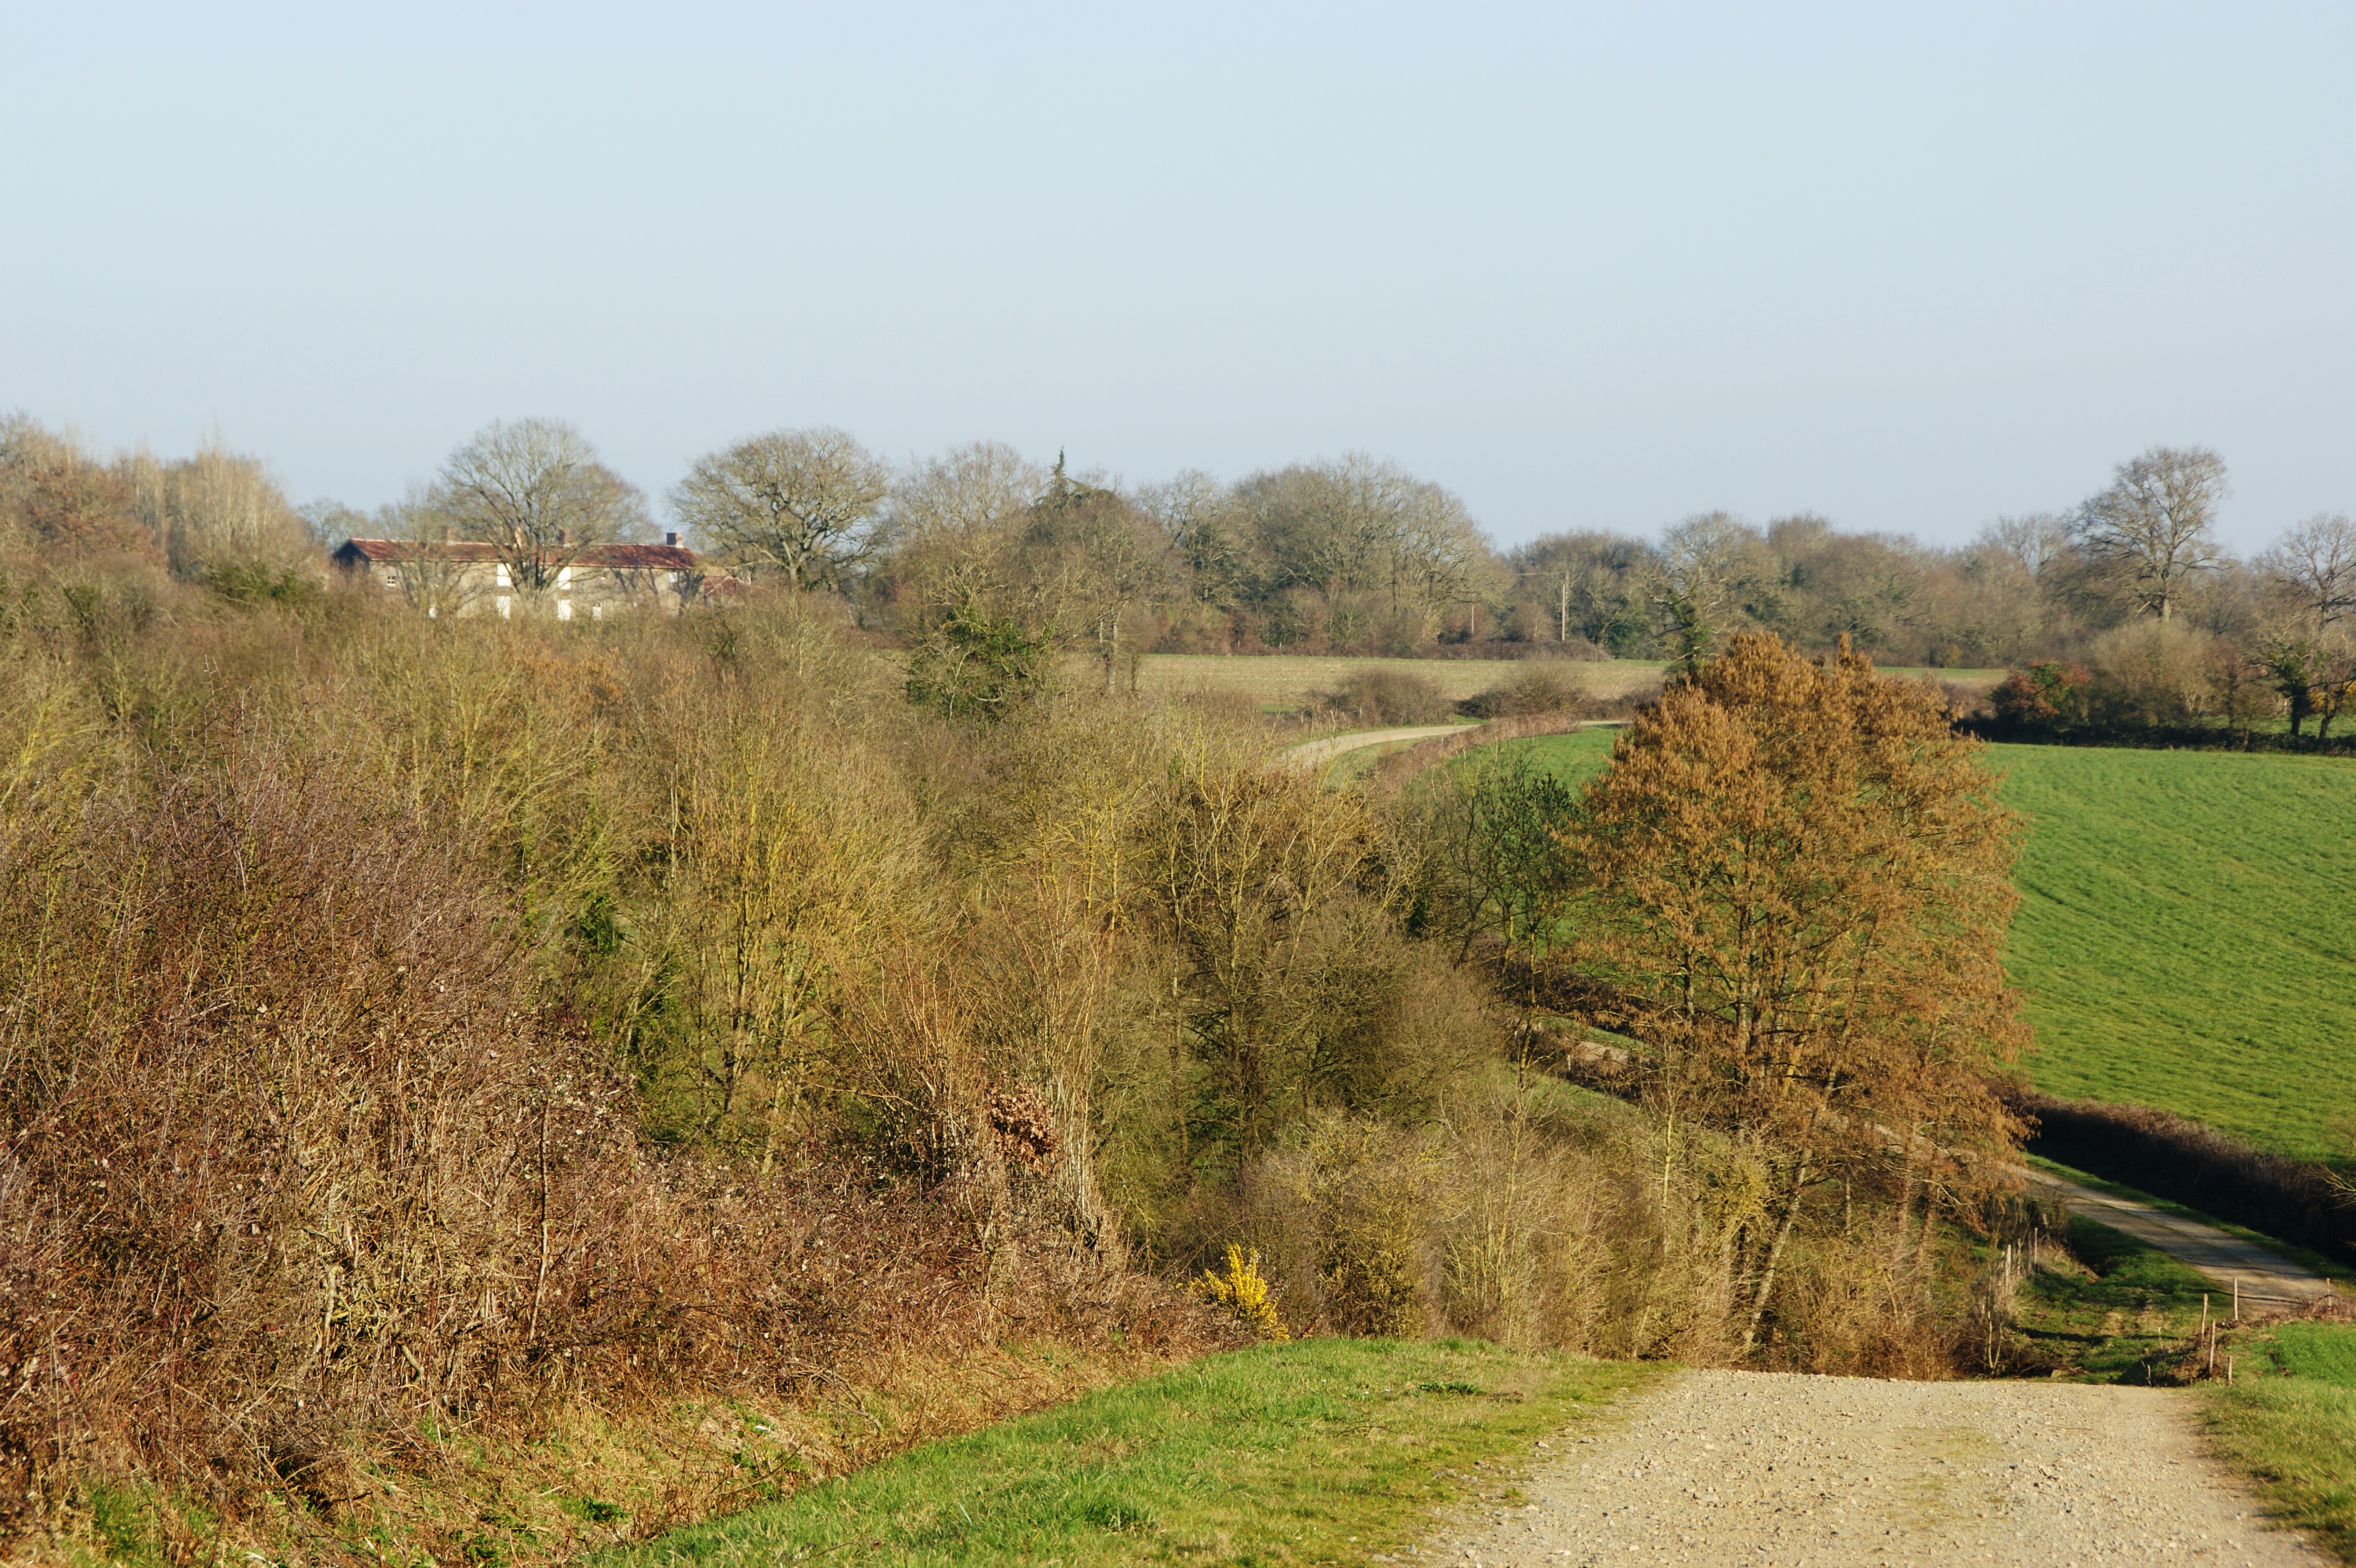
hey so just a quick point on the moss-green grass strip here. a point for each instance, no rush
(1327, 1451)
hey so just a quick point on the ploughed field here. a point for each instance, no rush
(1289, 681)
(2186, 931)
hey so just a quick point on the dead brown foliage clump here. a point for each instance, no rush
(1530, 1219)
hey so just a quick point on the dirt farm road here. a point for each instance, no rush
(1764, 1467)
(1317, 753)
(2265, 1277)
(1720, 1469)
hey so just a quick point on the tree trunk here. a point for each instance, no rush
(1766, 1289)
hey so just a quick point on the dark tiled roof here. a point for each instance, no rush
(638, 557)
(612, 557)
(381, 550)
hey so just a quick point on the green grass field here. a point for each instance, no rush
(2325, 1352)
(2186, 934)
(1328, 1451)
(1576, 758)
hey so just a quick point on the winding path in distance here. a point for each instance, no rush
(2265, 1277)
(1317, 753)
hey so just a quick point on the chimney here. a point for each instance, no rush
(563, 537)
(671, 539)
(448, 533)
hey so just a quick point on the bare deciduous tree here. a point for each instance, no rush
(55, 496)
(217, 511)
(2315, 563)
(535, 492)
(432, 577)
(328, 522)
(1702, 564)
(1198, 514)
(796, 501)
(951, 526)
(969, 490)
(2156, 522)
(2032, 543)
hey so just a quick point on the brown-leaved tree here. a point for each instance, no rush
(1799, 879)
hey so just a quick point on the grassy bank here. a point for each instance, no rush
(2289, 1420)
(582, 1478)
(1327, 1451)
(2110, 1312)
(2185, 939)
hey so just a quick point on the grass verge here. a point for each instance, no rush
(1326, 1451)
(2289, 1419)
(2124, 1306)
(586, 1479)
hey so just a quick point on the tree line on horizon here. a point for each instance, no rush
(2124, 609)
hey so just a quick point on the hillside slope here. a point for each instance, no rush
(2186, 934)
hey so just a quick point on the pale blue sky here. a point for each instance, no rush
(1910, 266)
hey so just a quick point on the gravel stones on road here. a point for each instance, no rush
(1763, 1468)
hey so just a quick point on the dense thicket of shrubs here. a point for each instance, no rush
(2155, 683)
(415, 1022)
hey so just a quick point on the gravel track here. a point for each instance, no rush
(1775, 1468)
(1317, 753)
(2265, 1277)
